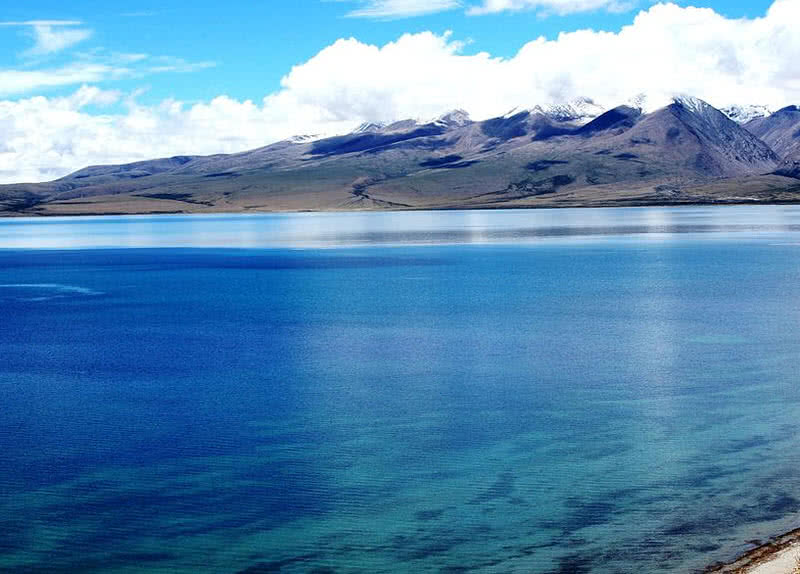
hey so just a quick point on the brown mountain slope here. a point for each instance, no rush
(525, 158)
(781, 131)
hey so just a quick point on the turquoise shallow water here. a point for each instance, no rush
(530, 391)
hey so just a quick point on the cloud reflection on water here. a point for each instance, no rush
(327, 230)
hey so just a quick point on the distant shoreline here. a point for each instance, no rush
(12, 214)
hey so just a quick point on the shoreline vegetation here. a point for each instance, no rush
(96, 208)
(781, 555)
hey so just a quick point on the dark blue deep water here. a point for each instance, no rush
(532, 391)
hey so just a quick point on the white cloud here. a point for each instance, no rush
(94, 67)
(390, 9)
(51, 36)
(21, 81)
(560, 7)
(665, 50)
(45, 138)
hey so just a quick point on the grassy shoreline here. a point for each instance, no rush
(220, 210)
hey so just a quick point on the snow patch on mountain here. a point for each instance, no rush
(580, 110)
(306, 138)
(369, 128)
(721, 134)
(742, 114)
(452, 119)
(693, 104)
(638, 102)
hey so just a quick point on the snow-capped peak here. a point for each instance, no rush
(742, 114)
(402, 125)
(638, 102)
(306, 138)
(369, 127)
(452, 119)
(692, 103)
(578, 110)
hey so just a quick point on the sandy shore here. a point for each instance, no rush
(786, 561)
(780, 556)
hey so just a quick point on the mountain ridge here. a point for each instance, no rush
(572, 154)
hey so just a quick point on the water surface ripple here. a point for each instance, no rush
(560, 391)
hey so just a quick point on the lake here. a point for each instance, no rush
(548, 391)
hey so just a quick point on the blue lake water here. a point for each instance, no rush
(555, 391)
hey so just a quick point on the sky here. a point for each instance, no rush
(92, 82)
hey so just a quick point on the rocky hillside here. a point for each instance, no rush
(781, 131)
(573, 154)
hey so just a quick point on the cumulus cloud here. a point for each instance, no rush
(560, 7)
(390, 9)
(51, 36)
(44, 138)
(667, 49)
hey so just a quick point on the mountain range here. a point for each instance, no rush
(573, 154)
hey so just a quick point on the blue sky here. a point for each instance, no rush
(252, 44)
(91, 82)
